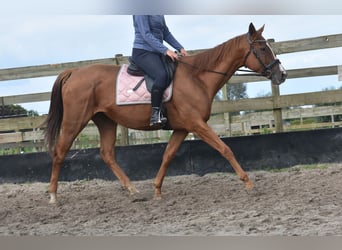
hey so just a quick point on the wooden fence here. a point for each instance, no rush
(23, 131)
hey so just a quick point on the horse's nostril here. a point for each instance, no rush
(284, 75)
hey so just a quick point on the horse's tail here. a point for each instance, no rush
(55, 116)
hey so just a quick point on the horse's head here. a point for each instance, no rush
(261, 58)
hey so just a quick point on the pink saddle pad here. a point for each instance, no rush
(125, 95)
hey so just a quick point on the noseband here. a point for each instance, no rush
(267, 69)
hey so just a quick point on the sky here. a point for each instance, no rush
(47, 38)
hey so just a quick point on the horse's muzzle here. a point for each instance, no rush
(279, 75)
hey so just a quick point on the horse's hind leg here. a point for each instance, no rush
(65, 140)
(107, 129)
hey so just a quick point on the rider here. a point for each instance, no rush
(150, 32)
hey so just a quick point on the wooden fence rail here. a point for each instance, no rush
(322, 42)
(295, 73)
(276, 102)
(18, 132)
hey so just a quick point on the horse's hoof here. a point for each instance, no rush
(53, 198)
(132, 190)
(157, 197)
(249, 185)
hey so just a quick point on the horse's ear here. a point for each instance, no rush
(253, 32)
(261, 30)
(252, 29)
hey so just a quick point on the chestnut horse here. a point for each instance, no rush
(88, 93)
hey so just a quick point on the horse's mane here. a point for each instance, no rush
(210, 58)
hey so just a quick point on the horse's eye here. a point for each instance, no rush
(263, 49)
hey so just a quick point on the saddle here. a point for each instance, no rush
(134, 70)
(170, 68)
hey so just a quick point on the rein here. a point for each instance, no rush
(266, 68)
(208, 70)
(224, 73)
(247, 70)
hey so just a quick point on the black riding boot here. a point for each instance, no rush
(155, 117)
(156, 99)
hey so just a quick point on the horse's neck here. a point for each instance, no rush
(228, 66)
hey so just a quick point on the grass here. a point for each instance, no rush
(321, 166)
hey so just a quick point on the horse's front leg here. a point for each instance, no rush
(107, 129)
(175, 141)
(208, 135)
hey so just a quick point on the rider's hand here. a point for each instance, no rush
(183, 52)
(172, 55)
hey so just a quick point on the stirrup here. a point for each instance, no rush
(155, 117)
(155, 122)
(160, 121)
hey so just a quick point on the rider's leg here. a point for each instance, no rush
(152, 64)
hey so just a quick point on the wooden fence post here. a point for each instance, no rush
(227, 115)
(124, 139)
(278, 117)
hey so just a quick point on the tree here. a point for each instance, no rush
(15, 111)
(236, 91)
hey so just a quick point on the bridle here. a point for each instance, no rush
(267, 69)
